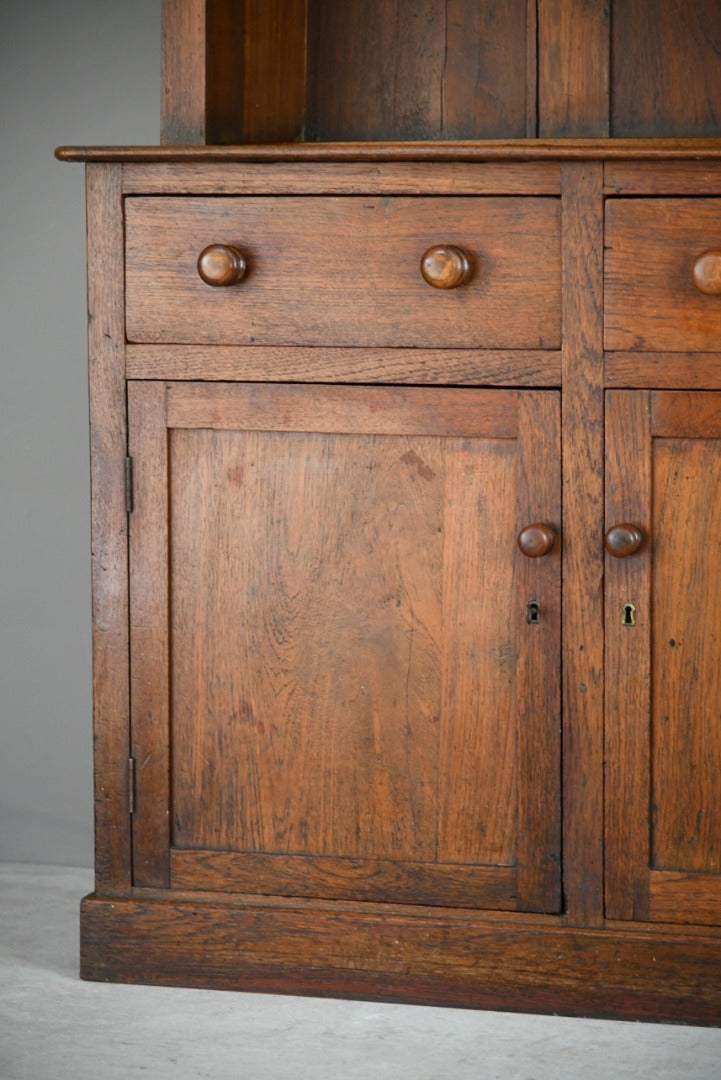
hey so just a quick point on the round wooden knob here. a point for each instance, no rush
(221, 264)
(707, 273)
(536, 540)
(445, 266)
(623, 540)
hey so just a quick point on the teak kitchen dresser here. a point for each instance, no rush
(406, 459)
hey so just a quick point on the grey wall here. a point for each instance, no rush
(71, 71)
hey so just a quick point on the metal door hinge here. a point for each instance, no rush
(129, 484)
(131, 785)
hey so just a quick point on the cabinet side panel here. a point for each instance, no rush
(108, 447)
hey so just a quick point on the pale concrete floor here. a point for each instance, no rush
(55, 1027)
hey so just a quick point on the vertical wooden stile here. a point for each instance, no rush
(108, 443)
(538, 704)
(149, 637)
(183, 87)
(582, 440)
(628, 658)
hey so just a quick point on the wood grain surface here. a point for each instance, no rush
(443, 958)
(628, 657)
(338, 688)
(651, 301)
(582, 634)
(109, 529)
(469, 367)
(665, 68)
(344, 271)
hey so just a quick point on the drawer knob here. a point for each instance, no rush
(623, 540)
(221, 264)
(536, 540)
(445, 266)
(707, 273)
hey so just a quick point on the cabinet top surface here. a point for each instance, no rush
(479, 151)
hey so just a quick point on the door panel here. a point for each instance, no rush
(346, 700)
(663, 679)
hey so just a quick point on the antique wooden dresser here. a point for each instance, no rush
(406, 455)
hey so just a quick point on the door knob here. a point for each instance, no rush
(445, 266)
(221, 264)
(707, 273)
(536, 540)
(623, 540)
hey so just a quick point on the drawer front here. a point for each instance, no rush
(345, 271)
(654, 250)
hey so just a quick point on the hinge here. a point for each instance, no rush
(129, 484)
(131, 785)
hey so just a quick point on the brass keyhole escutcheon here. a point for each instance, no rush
(629, 615)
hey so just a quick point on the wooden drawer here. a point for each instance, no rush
(345, 271)
(652, 302)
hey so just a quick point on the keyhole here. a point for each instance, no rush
(533, 612)
(629, 615)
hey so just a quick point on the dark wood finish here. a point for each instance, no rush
(232, 71)
(322, 500)
(693, 371)
(675, 178)
(623, 540)
(706, 273)
(536, 540)
(256, 70)
(666, 73)
(573, 68)
(445, 267)
(545, 149)
(582, 440)
(664, 749)
(651, 300)
(405, 177)
(221, 265)
(109, 566)
(470, 367)
(335, 877)
(344, 271)
(432, 958)
(442, 69)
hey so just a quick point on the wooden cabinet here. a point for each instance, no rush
(388, 703)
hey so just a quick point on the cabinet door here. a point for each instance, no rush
(335, 689)
(663, 685)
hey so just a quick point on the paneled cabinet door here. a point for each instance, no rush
(663, 635)
(345, 672)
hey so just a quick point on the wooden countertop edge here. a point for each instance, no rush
(475, 151)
